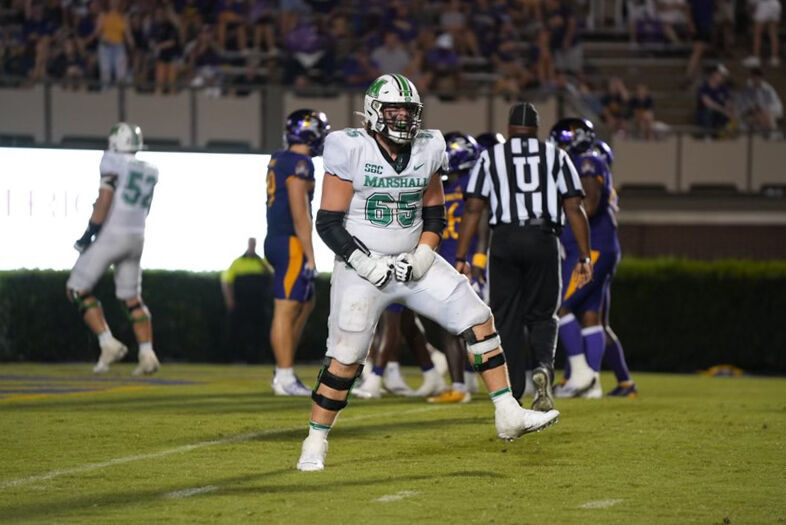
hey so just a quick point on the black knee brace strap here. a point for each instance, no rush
(81, 301)
(329, 379)
(493, 362)
(131, 309)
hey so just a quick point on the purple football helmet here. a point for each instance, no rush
(604, 150)
(463, 151)
(576, 135)
(489, 139)
(306, 126)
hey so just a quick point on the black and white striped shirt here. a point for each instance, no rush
(524, 178)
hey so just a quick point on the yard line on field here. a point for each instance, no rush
(187, 493)
(248, 436)
(387, 498)
(601, 504)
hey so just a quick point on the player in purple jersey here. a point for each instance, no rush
(288, 246)
(581, 329)
(463, 151)
(614, 356)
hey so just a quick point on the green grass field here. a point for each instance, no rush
(212, 444)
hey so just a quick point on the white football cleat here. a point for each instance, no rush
(575, 387)
(111, 352)
(433, 384)
(439, 359)
(370, 389)
(513, 421)
(395, 384)
(148, 363)
(293, 388)
(596, 390)
(312, 455)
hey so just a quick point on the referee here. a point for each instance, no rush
(531, 186)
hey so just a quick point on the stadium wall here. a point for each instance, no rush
(671, 315)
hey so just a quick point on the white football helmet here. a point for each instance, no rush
(125, 138)
(393, 90)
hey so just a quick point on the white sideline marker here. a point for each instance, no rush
(184, 448)
(397, 496)
(601, 504)
(187, 493)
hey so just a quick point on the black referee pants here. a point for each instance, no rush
(525, 289)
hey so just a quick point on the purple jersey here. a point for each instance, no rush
(603, 224)
(284, 164)
(454, 207)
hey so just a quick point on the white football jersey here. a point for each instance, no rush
(386, 209)
(134, 185)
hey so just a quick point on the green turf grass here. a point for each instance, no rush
(690, 450)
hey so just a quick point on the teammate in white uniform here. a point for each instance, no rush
(382, 213)
(115, 236)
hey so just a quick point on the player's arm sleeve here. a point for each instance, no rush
(336, 156)
(109, 168)
(568, 182)
(479, 184)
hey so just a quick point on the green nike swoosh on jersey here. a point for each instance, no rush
(419, 166)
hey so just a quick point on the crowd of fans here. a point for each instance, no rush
(444, 46)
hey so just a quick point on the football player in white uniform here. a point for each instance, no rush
(115, 236)
(382, 213)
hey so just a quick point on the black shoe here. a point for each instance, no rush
(544, 399)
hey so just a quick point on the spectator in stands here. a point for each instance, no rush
(310, 55)
(760, 105)
(113, 31)
(166, 44)
(341, 37)
(615, 104)
(702, 15)
(20, 59)
(453, 20)
(191, 17)
(391, 56)
(642, 107)
(442, 63)
(358, 70)
(714, 109)
(642, 20)
(204, 61)
(261, 16)
(766, 15)
(68, 65)
(560, 22)
(513, 75)
(140, 51)
(86, 37)
(403, 22)
(674, 16)
(291, 12)
(37, 31)
(725, 21)
(232, 17)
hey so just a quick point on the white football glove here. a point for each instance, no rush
(376, 270)
(414, 265)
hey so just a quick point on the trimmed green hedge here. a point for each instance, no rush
(671, 315)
